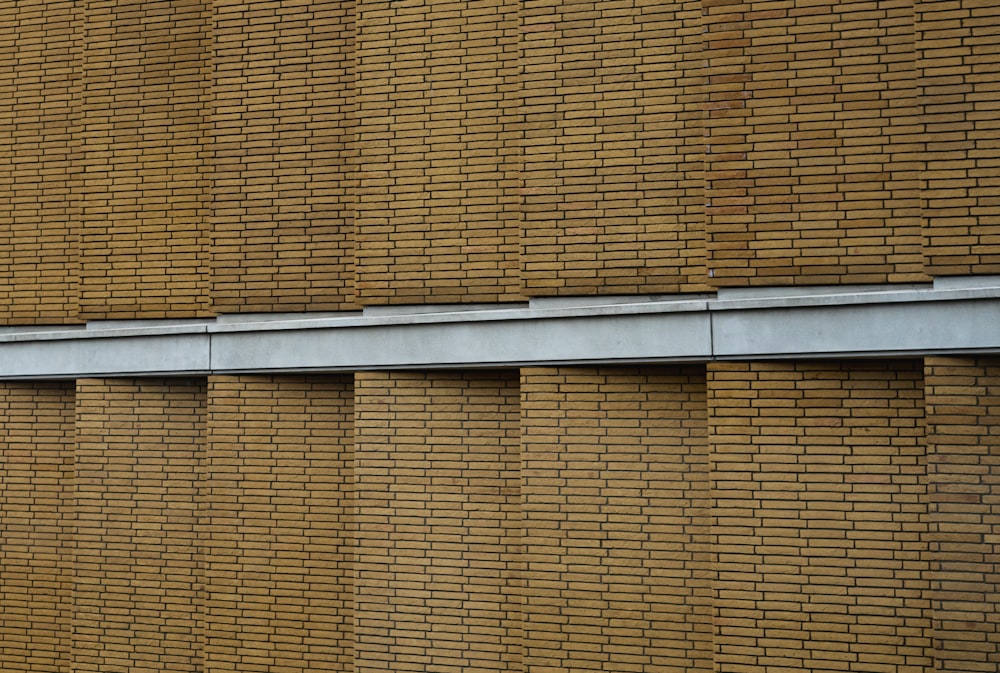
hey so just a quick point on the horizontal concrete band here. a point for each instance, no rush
(844, 322)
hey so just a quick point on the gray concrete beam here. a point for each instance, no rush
(886, 321)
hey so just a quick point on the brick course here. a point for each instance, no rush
(280, 514)
(613, 99)
(814, 130)
(959, 69)
(436, 208)
(40, 59)
(281, 130)
(143, 233)
(438, 481)
(616, 527)
(819, 513)
(963, 462)
(36, 526)
(138, 554)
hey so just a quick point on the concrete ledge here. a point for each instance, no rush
(887, 321)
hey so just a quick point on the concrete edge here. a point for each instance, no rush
(894, 322)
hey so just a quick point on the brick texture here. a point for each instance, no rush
(143, 239)
(959, 68)
(616, 520)
(139, 563)
(802, 516)
(437, 478)
(437, 216)
(819, 511)
(282, 211)
(613, 100)
(279, 485)
(36, 526)
(815, 143)
(963, 438)
(180, 158)
(39, 144)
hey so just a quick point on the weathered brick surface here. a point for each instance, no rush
(819, 514)
(436, 208)
(963, 441)
(143, 239)
(36, 526)
(283, 98)
(790, 516)
(279, 506)
(138, 559)
(438, 479)
(815, 145)
(959, 68)
(616, 520)
(39, 141)
(174, 158)
(613, 100)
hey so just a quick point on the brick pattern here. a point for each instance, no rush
(143, 244)
(963, 438)
(282, 211)
(279, 484)
(616, 527)
(790, 516)
(815, 143)
(175, 158)
(139, 566)
(959, 68)
(438, 480)
(613, 101)
(819, 511)
(436, 208)
(36, 527)
(39, 114)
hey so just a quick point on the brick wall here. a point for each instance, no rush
(819, 515)
(963, 436)
(138, 553)
(788, 515)
(177, 160)
(143, 238)
(438, 480)
(815, 143)
(282, 212)
(616, 520)
(39, 144)
(437, 216)
(280, 508)
(36, 526)
(959, 68)
(613, 100)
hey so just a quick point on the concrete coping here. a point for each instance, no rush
(540, 309)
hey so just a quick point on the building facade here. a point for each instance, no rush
(503, 335)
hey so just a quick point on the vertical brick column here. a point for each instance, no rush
(437, 470)
(437, 105)
(963, 437)
(814, 143)
(819, 510)
(616, 520)
(143, 245)
(139, 566)
(613, 101)
(283, 100)
(279, 505)
(36, 526)
(39, 116)
(959, 68)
